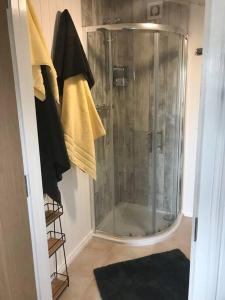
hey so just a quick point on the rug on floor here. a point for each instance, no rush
(163, 276)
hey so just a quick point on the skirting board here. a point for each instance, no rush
(71, 256)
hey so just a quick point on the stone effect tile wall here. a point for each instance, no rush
(98, 12)
(124, 157)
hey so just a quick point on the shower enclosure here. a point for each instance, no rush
(139, 93)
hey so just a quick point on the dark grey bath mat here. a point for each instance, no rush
(163, 276)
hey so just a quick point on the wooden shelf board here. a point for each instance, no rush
(51, 216)
(53, 245)
(58, 286)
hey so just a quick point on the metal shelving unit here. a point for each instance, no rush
(56, 241)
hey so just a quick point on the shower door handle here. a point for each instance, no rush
(159, 142)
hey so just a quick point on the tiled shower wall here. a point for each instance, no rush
(98, 12)
(123, 156)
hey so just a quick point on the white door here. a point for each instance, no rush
(208, 252)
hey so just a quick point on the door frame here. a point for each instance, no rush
(208, 255)
(18, 30)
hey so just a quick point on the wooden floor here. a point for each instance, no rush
(100, 252)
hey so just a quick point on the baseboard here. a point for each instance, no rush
(71, 256)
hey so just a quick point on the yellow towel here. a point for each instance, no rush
(40, 56)
(81, 123)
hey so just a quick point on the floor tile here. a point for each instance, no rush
(91, 292)
(100, 244)
(78, 285)
(101, 252)
(87, 260)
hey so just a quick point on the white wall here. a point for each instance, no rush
(75, 185)
(47, 10)
(195, 40)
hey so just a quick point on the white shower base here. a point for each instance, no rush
(132, 220)
(135, 219)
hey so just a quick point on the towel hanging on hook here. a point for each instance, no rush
(81, 122)
(40, 57)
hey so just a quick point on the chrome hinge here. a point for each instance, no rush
(196, 230)
(26, 186)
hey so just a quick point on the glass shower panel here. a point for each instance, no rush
(138, 94)
(98, 54)
(133, 90)
(167, 129)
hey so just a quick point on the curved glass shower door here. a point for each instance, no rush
(138, 95)
(133, 99)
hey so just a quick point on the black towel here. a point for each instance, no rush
(69, 56)
(53, 153)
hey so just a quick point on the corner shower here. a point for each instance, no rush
(139, 93)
